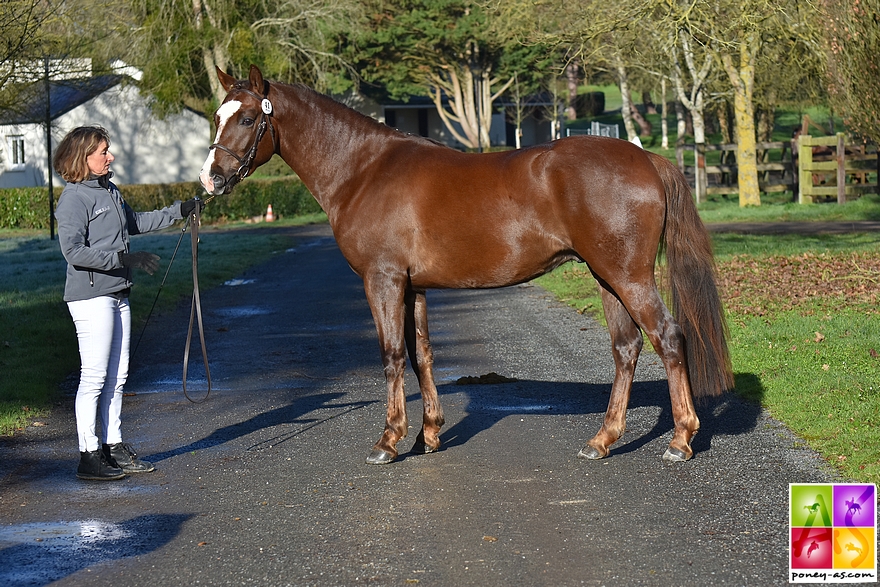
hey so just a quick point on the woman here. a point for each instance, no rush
(94, 228)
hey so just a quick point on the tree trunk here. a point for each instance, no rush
(571, 74)
(681, 133)
(724, 122)
(487, 98)
(470, 101)
(664, 124)
(460, 122)
(626, 106)
(212, 57)
(644, 126)
(680, 123)
(650, 107)
(694, 104)
(742, 78)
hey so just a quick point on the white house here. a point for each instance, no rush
(147, 150)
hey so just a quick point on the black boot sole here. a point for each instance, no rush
(135, 471)
(87, 477)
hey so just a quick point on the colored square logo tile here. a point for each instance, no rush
(855, 505)
(833, 533)
(811, 505)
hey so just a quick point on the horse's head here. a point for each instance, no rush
(241, 144)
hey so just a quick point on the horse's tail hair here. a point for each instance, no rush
(690, 281)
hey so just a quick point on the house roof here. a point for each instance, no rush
(64, 96)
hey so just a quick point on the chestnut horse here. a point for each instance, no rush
(410, 214)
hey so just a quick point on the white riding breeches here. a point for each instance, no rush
(103, 330)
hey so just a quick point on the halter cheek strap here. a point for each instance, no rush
(246, 161)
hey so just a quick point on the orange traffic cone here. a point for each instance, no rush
(270, 216)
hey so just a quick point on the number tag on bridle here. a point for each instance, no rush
(266, 105)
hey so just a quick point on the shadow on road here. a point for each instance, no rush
(487, 405)
(289, 414)
(45, 552)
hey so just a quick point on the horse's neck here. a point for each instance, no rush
(326, 143)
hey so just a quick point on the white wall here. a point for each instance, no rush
(147, 150)
(34, 172)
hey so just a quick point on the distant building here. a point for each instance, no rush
(147, 150)
(418, 116)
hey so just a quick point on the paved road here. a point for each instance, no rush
(796, 227)
(265, 482)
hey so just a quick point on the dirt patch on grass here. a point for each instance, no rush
(808, 282)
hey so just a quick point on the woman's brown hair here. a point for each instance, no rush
(71, 155)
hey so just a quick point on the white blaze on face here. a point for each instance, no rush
(225, 112)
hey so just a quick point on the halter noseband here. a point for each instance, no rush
(245, 162)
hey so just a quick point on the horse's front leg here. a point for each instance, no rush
(421, 357)
(385, 295)
(626, 344)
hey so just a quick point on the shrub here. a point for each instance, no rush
(25, 207)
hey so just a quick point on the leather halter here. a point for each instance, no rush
(266, 110)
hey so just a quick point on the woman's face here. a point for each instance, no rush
(100, 159)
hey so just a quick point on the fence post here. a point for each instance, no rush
(700, 179)
(805, 161)
(841, 168)
(795, 176)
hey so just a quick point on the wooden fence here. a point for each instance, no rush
(823, 159)
(802, 163)
(721, 179)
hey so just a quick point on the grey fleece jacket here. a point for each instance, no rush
(94, 226)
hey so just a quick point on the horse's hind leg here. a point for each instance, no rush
(648, 310)
(421, 358)
(626, 344)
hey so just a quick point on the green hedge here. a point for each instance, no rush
(25, 207)
(29, 207)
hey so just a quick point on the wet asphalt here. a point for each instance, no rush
(265, 483)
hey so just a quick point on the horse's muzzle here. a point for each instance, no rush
(217, 185)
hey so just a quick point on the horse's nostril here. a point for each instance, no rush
(219, 181)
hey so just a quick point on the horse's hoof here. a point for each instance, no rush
(380, 457)
(420, 448)
(673, 455)
(588, 452)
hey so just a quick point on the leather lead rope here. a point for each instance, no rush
(196, 309)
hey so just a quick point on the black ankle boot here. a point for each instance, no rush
(124, 457)
(93, 466)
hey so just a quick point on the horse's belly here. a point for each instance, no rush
(483, 265)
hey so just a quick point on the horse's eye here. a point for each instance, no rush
(247, 121)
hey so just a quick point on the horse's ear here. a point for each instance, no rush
(226, 80)
(256, 79)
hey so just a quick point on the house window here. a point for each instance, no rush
(15, 143)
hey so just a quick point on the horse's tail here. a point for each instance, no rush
(690, 277)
